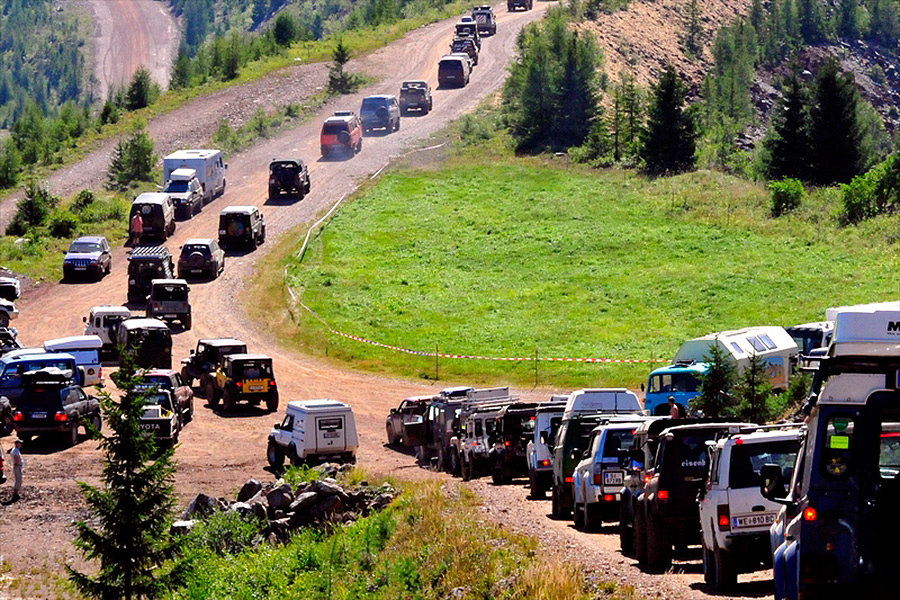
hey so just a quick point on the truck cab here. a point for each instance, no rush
(839, 515)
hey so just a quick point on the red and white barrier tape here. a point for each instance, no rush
(363, 340)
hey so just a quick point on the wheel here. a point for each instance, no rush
(441, 458)
(454, 462)
(4, 319)
(397, 125)
(497, 472)
(228, 400)
(7, 425)
(96, 422)
(576, 515)
(537, 492)
(72, 435)
(640, 535)
(272, 402)
(186, 377)
(590, 517)
(211, 395)
(466, 469)
(186, 322)
(190, 413)
(254, 242)
(274, 454)
(659, 544)
(272, 193)
(709, 566)
(173, 441)
(725, 571)
(626, 534)
(554, 503)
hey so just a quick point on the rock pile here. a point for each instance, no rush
(282, 509)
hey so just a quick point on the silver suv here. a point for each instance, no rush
(380, 112)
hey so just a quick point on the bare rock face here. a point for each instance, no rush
(280, 497)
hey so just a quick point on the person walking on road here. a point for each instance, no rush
(18, 465)
(137, 228)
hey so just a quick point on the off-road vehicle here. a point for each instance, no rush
(241, 226)
(512, 5)
(410, 409)
(204, 360)
(53, 403)
(341, 133)
(160, 418)
(467, 26)
(150, 341)
(246, 377)
(186, 192)
(415, 95)
(87, 256)
(18, 362)
(8, 312)
(540, 457)
(431, 435)
(169, 301)
(666, 512)
(508, 456)
(290, 176)
(313, 431)
(157, 210)
(103, 321)
(467, 46)
(485, 19)
(169, 380)
(10, 288)
(201, 257)
(380, 112)
(146, 263)
(734, 516)
(454, 70)
(470, 448)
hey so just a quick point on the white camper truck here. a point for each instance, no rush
(208, 165)
(86, 350)
(314, 431)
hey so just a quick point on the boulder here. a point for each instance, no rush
(249, 490)
(260, 511)
(303, 502)
(323, 487)
(242, 508)
(202, 505)
(381, 501)
(327, 469)
(181, 527)
(330, 506)
(280, 497)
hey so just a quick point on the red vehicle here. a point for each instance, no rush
(168, 379)
(342, 132)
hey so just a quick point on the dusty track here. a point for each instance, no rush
(219, 452)
(131, 33)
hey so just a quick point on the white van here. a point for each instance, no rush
(208, 165)
(314, 431)
(86, 350)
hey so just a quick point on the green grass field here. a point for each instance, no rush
(518, 256)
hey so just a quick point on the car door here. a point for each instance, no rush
(285, 432)
(330, 434)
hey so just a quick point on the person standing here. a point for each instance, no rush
(18, 464)
(137, 228)
(673, 408)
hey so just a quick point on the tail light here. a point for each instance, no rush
(809, 514)
(723, 517)
(474, 444)
(545, 462)
(608, 497)
(662, 495)
(506, 443)
(647, 478)
(568, 480)
(237, 383)
(598, 475)
(18, 416)
(271, 383)
(100, 371)
(61, 417)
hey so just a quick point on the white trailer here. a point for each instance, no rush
(314, 431)
(208, 165)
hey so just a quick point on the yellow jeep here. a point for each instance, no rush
(244, 377)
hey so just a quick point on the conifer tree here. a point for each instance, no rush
(753, 392)
(339, 81)
(834, 129)
(715, 399)
(787, 142)
(132, 507)
(669, 140)
(141, 91)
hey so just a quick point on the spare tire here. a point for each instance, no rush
(382, 113)
(196, 260)
(344, 137)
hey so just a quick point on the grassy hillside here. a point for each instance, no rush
(514, 255)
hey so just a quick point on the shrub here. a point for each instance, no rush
(132, 160)
(32, 210)
(786, 195)
(62, 224)
(84, 199)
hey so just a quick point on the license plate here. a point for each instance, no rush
(613, 477)
(39, 415)
(81, 268)
(169, 316)
(331, 435)
(196, 270)
(754, 520)
(256, 388)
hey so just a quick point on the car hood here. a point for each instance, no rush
(82, 255)
(179, 196)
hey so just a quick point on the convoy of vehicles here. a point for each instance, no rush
(547, 418)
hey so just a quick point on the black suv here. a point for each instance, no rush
(288, 175)
(206, 358)
(415, 95)
(52, 402)
(146, 263)
(514, 427)
(241, 226)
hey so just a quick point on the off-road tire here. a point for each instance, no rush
(724, 571)
(359, 146)
(537, 492)
(466, 469)
(4, 319)
(96, 422)
(307, 187)
(71, 436)
(272, 402)
(292, 454)
(640, 535)
(454, 462)
(576, 515)
(554, 503)
(186, 322)
(626, 533)
(590, 517)
(709, 566)
(659, 544)
(186, 377)
(7, 425)
(228, 401)
(190, 413)
(274, 454)
(173, 441)
(211, 395)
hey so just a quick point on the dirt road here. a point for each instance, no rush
(131, 33)
(218, 452)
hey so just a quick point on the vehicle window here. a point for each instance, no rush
(255, 370)
(661, 383)
(156, 380)
(617, 439)
(554, 426)
(170, 293)
(748, 459)
(201, 248)
(889, 450)
(836, 461)
(479, 430)
(756, 343)
(85, 247)
(594, 444)
(687, 453)
(737, 347)
(767, 341)
(333, 128)
(714, 466)
(177, 187)
(288, 422)
(44, 399)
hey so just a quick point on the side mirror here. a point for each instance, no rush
(84, 319)
(276, 426)
(193, 351)
(393, 411)
(772, 484)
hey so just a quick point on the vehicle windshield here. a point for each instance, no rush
(199, 248)
(35, 365)
(177, 187)
(161, 400)
(461, 45)
(160, 381)
(748, 459)
(333, 128)
(256, 369)
(170, 293)
(289, 165)
(80, 246)
(372, 104)
(235, 225)
(665, 383)
(617, 439)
